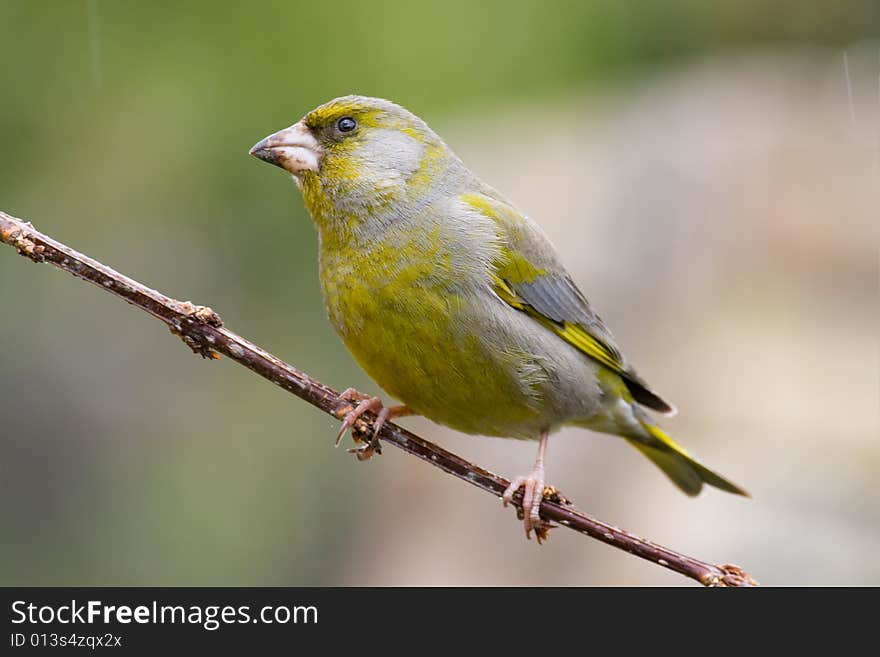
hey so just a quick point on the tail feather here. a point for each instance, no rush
(682, 468)
(678, 470)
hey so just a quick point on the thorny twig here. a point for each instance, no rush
(203, 331)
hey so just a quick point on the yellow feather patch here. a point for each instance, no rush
(508, 296)
(577, 336)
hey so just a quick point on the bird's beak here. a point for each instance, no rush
(294, 149)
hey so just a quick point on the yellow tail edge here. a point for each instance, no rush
(682, 469)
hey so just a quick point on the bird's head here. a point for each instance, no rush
(356, 156)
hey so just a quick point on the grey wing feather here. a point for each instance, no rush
(554, 294)
(558, 298)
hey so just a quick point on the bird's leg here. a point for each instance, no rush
(533, 493)
(383, 413)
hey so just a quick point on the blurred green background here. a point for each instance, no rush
(709, 170)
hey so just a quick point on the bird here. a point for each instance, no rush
(455, 302)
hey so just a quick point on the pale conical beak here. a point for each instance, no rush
(294, 149)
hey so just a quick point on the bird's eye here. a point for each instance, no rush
(346, 124)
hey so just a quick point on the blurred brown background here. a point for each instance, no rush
(709, 171)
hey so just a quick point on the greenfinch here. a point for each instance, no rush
(454, 301)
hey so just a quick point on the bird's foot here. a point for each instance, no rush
(365, 448)
(533, 492)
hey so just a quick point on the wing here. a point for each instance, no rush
(529, 277)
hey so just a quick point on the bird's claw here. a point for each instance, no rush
(534, 492)
(370, 446)
(352, 415)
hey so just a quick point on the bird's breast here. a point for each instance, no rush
(417, 323)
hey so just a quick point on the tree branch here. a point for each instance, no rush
(203, 331)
